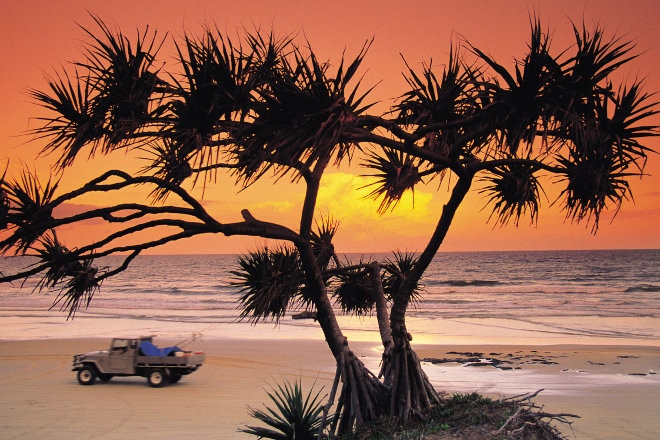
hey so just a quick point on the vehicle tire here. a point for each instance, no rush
(104, 377)
(175, 377)
(157, 377)
(86, 375)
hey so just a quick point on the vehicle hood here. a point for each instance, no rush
(91, 354)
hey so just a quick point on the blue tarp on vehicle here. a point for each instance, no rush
(149, 349)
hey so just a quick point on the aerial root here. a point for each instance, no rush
(361, 398)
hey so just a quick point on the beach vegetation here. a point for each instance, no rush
(259, 106)
(472, 416)
(296, 415)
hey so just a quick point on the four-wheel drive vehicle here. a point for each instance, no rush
(137, 357)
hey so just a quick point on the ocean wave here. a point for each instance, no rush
(643, 288)
(465, 283)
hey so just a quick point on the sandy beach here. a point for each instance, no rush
(612, 388)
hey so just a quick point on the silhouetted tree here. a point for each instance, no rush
(268, 107)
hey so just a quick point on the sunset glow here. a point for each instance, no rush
(41, 36)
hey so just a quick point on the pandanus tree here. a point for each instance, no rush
(269, 108)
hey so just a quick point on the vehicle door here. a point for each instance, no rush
(121, 357)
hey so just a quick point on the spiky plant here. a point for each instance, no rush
(397, 269)
(80, 285)
(527, 102)
(106, 106)
(268, 281)
(321, 240)
(605, 154)
(124, 78)
(4, 203)
(27, 209)
(296, 416)
(302, 116)
(395, 173)
(213, 88)
(513, 190)
(355, 292)
(61, 262)
(76, 122)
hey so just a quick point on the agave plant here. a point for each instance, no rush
(296, 416)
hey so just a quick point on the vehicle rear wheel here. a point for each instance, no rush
(86, 375)
(157, 377)
(175, 377)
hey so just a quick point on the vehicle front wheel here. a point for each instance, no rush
(86, 375)
(157, 377)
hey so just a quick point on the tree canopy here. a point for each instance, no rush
(262, 106)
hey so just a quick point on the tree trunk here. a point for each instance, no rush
(363, 396)
(382, 314)
(411, 391)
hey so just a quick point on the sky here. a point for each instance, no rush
(38, 37)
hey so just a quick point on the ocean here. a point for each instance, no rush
(542, 297)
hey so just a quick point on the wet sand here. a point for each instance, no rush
(612, 388)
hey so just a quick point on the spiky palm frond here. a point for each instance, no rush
(588, 69)
(592, 182)
(4, 202)
(295, 416)
(80, 285)
(606, 151)
(29, 206)
(124, 78)
(76, 277)
(62, 263)
(78, 122)
(396, 271)
(215, 86)
(395, 173)
(631, 106)
(355, 292)
(513, 190)
(448, 103)
(167, 162)
(301, 116)
(105, 105)
(527, 103)
(322, 246)
(269, 281)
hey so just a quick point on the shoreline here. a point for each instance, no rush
(612, 388)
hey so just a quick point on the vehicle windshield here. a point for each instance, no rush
(119, 344)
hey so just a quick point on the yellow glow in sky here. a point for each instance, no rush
(39, 36)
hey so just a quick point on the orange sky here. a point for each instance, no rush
(40, 36)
